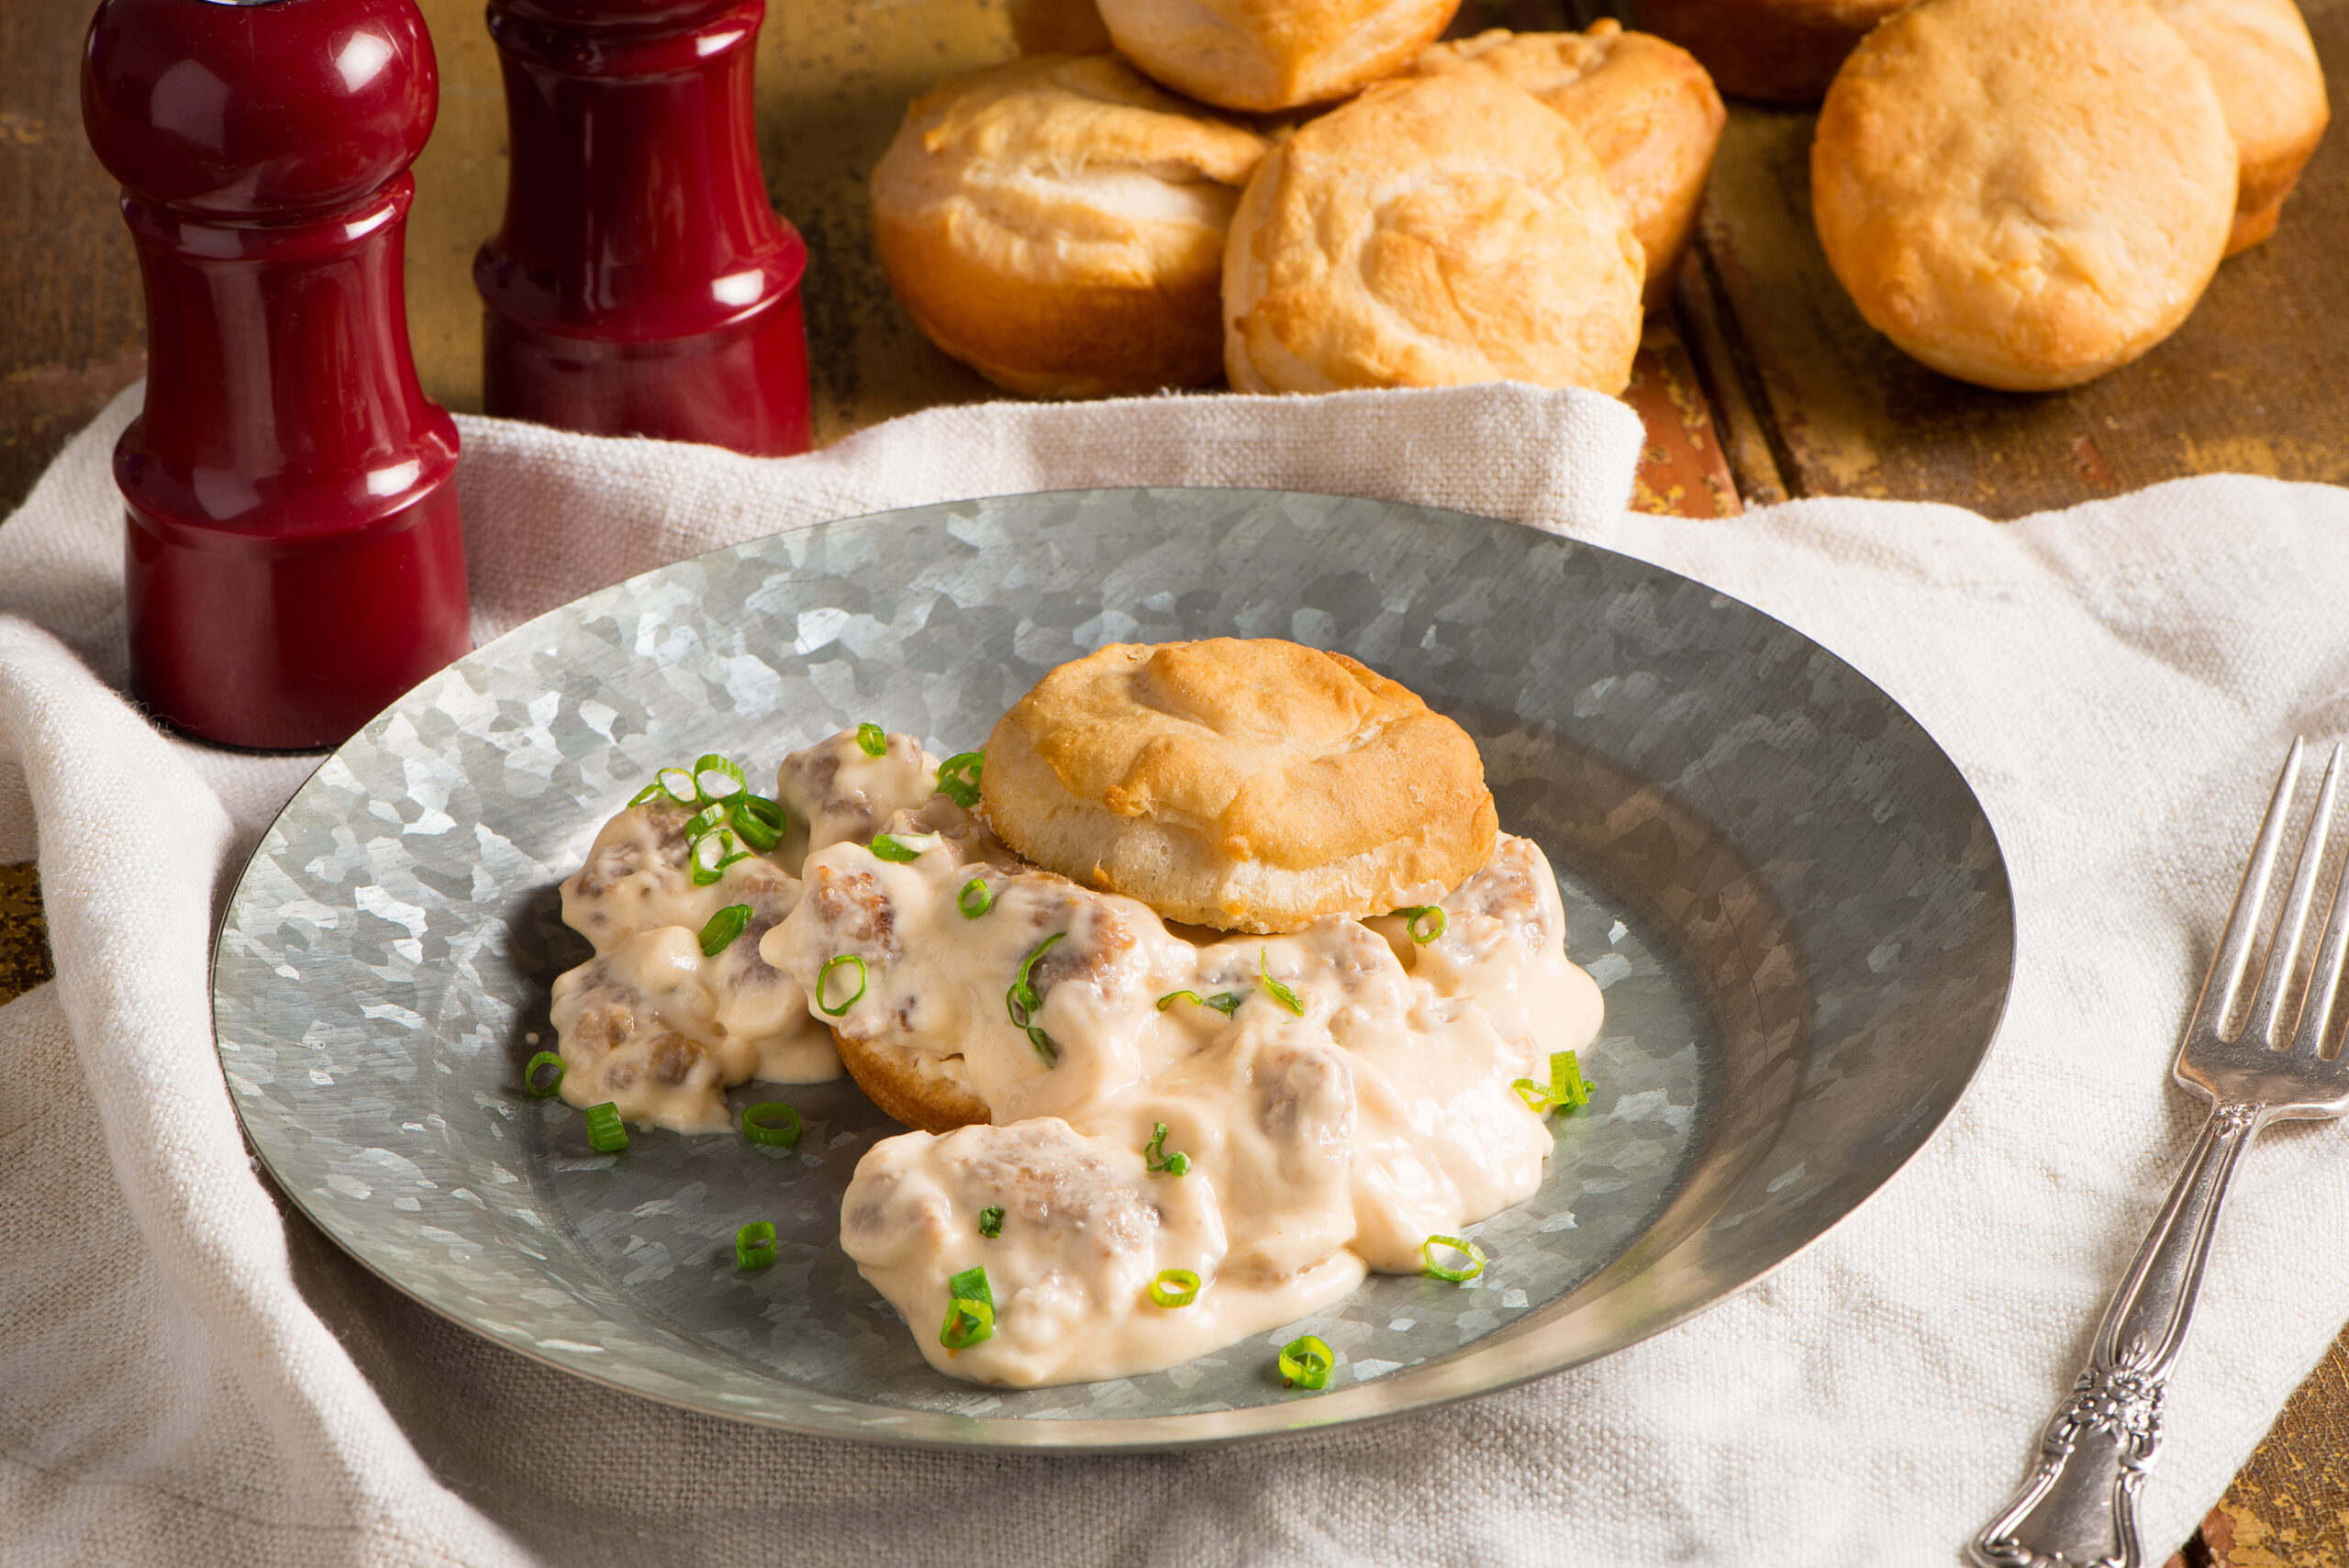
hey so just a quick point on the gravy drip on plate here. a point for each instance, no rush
(1322, 1140)
(652, 1024)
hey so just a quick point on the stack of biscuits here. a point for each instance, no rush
(1298, 197)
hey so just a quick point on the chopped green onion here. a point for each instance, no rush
(823, 978)
(1416, 918)
(975, 899)
(649, 793)
(1469, 1250)
(1224, 1002)
(990, 1223)
(958, 777)
(1280, 993)
(968, 1320)
(970, 1310)
(605, 1133)
(723, 928)
(1567, 1089)
(1155, 1158)
(711, 854)
(678, 784)
(773, 1123)
(539, 1089)
(1174, 1287)
(1306, 1362)
(871, 739)
(761, 821)
(1022, 1000)
(731, 781)
(889, 847)
(707, 820)
(755, 1245)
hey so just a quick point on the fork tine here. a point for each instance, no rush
(2283, 951)
(2324, 979)
(2242, 925)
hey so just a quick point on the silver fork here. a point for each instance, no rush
(2078, 1506)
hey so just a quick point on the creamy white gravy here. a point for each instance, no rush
(1322, 1143)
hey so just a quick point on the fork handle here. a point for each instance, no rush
(2078, 1506)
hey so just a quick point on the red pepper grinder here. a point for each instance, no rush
(294, 560)
(641, 283)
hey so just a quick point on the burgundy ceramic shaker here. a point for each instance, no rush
(293, 557)
(641, 283)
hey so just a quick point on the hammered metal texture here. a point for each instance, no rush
(1795, 905)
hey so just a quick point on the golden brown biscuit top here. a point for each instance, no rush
(1274, 752)
(2024, 192)
(2263, 65)
(1437, 230)
(1068, 167)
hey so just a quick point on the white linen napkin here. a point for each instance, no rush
(186, 1376)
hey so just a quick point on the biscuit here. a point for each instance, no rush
(1058, 222)
(932, 1092)
(1247, 785)
(1438, 231)
(1059, 27)
(2024, 193)
(1646, 108)
(1273, 54)
(1781, 51)
(2272, 90)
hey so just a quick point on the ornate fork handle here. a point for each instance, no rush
(2078, 1508)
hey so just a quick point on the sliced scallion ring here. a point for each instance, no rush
(975, 899)
(707, 820)
(823, 983)
(773, 1123)
(1174, 1287)
(968, 1321)
(1424, 921)
(606, 1134)
(1155, 1159)
(872, 739)
(958, 777)
(1022, 1000)
(541, 1088)
(970, 1310)
(1280, 993)
(711, 854)
(1567, 1088)
(1306, 1362)
(719, 778)
(755, 1245)
(889, 847)
(1458, 1245)
(760, 821)
(1224, 1002)
(723, 928)
(678, 784)
(990, 1222)
(649, 793)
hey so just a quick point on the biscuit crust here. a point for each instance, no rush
(1264, 55)
(1058, 225)
(1249, 786)
(2265, 68)
(2024, 193)
(1437, 231)
(931, 1093)
(1647, 108)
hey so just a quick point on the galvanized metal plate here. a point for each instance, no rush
(1796, 906)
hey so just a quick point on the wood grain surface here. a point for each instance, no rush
(1761, 381)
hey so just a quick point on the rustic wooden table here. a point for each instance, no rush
(1760, 384)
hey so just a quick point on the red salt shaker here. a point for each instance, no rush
(293, 556)
(641, 283)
